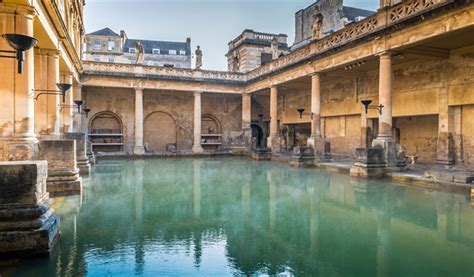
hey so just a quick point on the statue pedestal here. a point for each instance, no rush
(27, 223)
(369, 163)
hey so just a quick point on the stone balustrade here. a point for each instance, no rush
(386, 17)
(166, 73)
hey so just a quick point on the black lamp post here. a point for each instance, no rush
(87, 111)
(21, 44)
(63, 88)
(367, 106)
(78, 105)
(301, 112)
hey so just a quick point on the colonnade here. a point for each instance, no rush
(31, 117)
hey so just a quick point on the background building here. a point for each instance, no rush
(335, 17)
(253, 49)
(107, 46)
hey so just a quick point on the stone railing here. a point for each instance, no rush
(391, 15)
(166, 73)
(386, 17)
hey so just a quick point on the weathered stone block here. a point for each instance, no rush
(23, 183)
(63, 174)
(322, 149)
(369, 163)
(27, 223)
(261, 154)
(302, 157)
(81, 151)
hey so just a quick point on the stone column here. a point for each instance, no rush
(316, 106)
(17, 114)
(53, 109)
(247, 120)
(315, 110)
(77, 119)
(197, 148)
(139, 149)
(273, 141)
(445, 149)
(68, 113)
(246, 110)
(322, 148)
(385, 97)
(385, 138)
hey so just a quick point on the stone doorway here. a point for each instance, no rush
(160, 133)
(257, 136)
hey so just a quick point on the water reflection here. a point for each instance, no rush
(232, 216)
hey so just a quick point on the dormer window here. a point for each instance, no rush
(182, 52)
(156, 51)
(172, 52)
(132, 50)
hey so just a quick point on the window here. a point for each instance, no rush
(111, 45)
(111, 59)
(182, 52)
(97, 45)
(172, 52)
(97, 59)
(156, 51)
(178, 65)
(132, 50)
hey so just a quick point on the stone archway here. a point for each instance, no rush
(160, 133)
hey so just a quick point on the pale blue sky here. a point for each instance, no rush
(210, 23)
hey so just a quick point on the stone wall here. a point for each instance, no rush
(168, 116)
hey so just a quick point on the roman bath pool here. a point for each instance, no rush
(234, 216)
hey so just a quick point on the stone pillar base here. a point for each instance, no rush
(445, 153)
(50, 137)
(273, 142)
(198, 149)
(262, 154)
(139, 150)
(322, 149)
(64, 182)
(27, 223)
(63, 174)
(84, 166)
(369, 163)
(21, 150)
(81, 152)
(302, 157)
(90, 153)
(394, 156)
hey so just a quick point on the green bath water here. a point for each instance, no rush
(237, 217)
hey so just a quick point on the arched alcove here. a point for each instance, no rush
(160, 134)
(210, 125)
(106, 132)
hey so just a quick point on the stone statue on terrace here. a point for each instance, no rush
(274, 48)
(140, 53)
(198, 54)
(317, 27)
